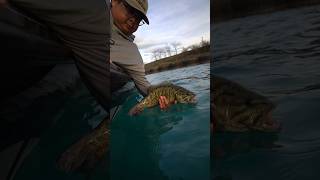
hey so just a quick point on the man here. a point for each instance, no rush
(83, 27)
(126, 17)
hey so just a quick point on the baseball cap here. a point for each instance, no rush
(141, 6)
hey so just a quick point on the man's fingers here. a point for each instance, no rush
(161, 103)
(166, 101)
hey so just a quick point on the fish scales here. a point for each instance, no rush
(173, 93)
(239, 109)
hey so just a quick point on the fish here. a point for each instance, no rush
(85, 154)
(173, 93)
(237, 109)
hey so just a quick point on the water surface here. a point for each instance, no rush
(170, 144)
(278, 56)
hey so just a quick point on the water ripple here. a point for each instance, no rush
(276, 55)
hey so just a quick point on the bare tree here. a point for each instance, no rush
(194, 46)
(156, 54)
(175, 46)
(185, 49)
(168, 50)
(162, 51)
(204, 43)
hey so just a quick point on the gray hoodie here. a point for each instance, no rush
(83, 26)
(125, 54)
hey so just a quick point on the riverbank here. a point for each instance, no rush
(224, 10)
(189, 58)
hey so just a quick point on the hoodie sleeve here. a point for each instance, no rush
(83, 26)
(137, 74)
(125, 54)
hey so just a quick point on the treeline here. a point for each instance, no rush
(175, 48)
(222, 10)
(191, 55)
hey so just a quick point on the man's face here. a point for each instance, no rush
(125, 17)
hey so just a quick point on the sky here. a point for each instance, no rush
(184, 21)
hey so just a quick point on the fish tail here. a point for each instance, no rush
(137, 109)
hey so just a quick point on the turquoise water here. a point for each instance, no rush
(170, 144)
(77, 114)
(276, 55)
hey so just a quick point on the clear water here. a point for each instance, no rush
(171, 144)
(278, 56)
(76, 114)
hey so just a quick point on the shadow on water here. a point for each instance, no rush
(229, 145)
(74, 118)
(135, 142)
(185, 149)
(276, 55)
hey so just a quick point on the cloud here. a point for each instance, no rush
(184, 21)
(145, 44)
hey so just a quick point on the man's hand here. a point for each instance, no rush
(164, 102)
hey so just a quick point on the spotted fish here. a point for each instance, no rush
(173, 93)
(237, 109)
(85, 154)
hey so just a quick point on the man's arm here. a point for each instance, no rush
(125, 54)
(83, 26)
(137, 73)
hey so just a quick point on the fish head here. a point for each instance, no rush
(238, 109)
(259, 117)
(248, 116)
(186, 97)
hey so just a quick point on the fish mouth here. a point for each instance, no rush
(194, 100)
(255, 118)
(264, 121)
(269, 124)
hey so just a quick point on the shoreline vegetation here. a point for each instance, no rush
(224, 10)
(192, 57)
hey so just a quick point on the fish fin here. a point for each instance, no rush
(137, 109)
(84, 153)
(165, 83)
(74, 157)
